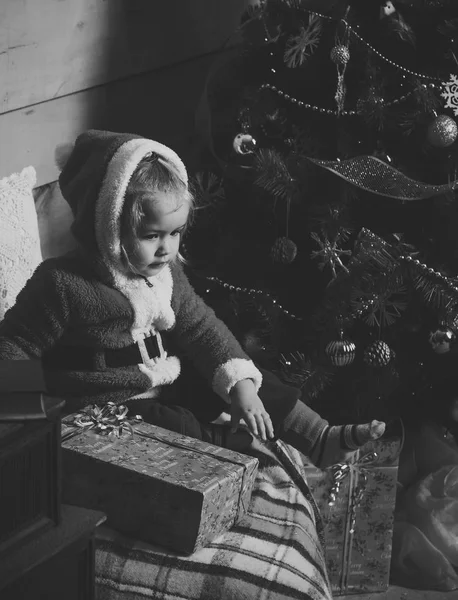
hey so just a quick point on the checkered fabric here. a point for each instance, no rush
(275, 553)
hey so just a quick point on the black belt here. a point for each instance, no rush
(82, 358)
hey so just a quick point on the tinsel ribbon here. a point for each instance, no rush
(358, 478)
(110, 419)
(373, 175)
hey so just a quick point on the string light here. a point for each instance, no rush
(252, 291)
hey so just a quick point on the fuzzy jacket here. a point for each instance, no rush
(64, 304)
(87, 300)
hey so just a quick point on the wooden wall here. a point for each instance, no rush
(124, 65)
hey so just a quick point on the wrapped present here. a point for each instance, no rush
(153, 484)
(357, 500)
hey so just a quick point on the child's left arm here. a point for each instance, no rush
(208, 342)
(247, 405)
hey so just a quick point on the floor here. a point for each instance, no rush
(400, 593)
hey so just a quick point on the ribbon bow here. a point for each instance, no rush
(342, 470)
(110, 419)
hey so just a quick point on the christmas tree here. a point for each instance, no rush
(326, 227)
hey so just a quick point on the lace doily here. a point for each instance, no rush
(20, 252)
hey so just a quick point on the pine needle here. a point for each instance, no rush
(273, 175)
(402, 29)
(299, 371)
(299, 47)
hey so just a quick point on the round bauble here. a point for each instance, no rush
(341, 352)
(244, 143)
(442, 339)
(283, 251)
(442, 131)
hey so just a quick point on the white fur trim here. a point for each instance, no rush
(150, 393)
(152, 306)
(162, 371)
(234, 370)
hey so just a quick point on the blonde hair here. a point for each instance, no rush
(153, 174)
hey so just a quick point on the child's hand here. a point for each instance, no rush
(247, 405)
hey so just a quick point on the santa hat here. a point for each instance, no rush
(96, 170)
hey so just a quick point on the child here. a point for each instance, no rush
(109, 319)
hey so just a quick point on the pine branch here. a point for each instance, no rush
(298, 370)
(273, 175)
(425, 98)
(402, 29)
(448, 28)
(299, 47)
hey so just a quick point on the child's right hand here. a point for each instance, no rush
(247, 405)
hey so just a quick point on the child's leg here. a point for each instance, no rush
(169, 416)
(325, 445)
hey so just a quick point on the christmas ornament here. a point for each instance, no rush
(330, 253)
(244, 143)
(450, 94)
(299, 47)
(283, 251)
(341, 352)
(442, 132)
(387, 9)
(442, 339)
(378, 354)
(340, 55)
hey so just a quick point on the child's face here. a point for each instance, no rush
(158, 239)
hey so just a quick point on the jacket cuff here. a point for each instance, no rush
(233, 371)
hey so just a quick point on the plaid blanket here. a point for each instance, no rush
(275, 553)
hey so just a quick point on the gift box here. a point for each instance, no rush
(356, 500)
(154, 484)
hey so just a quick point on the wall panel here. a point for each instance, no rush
(159, 104)
(51, 48)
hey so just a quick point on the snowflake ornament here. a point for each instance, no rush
(450, 94)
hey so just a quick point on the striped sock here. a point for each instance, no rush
(337, 443)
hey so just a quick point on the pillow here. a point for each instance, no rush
(20, 252)
(54, 220)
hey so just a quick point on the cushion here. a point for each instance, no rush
(54, 221)
(274, 553)
(20, 252)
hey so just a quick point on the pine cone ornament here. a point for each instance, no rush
(341, 352)
(283, 251)
(340, 55)
(378, 354)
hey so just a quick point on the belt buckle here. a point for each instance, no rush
(144, 350)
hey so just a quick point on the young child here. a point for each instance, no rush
(110, 320)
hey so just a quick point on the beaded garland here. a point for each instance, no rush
(329, 111)
(253, 292)
(374, 50)
(452, 285)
